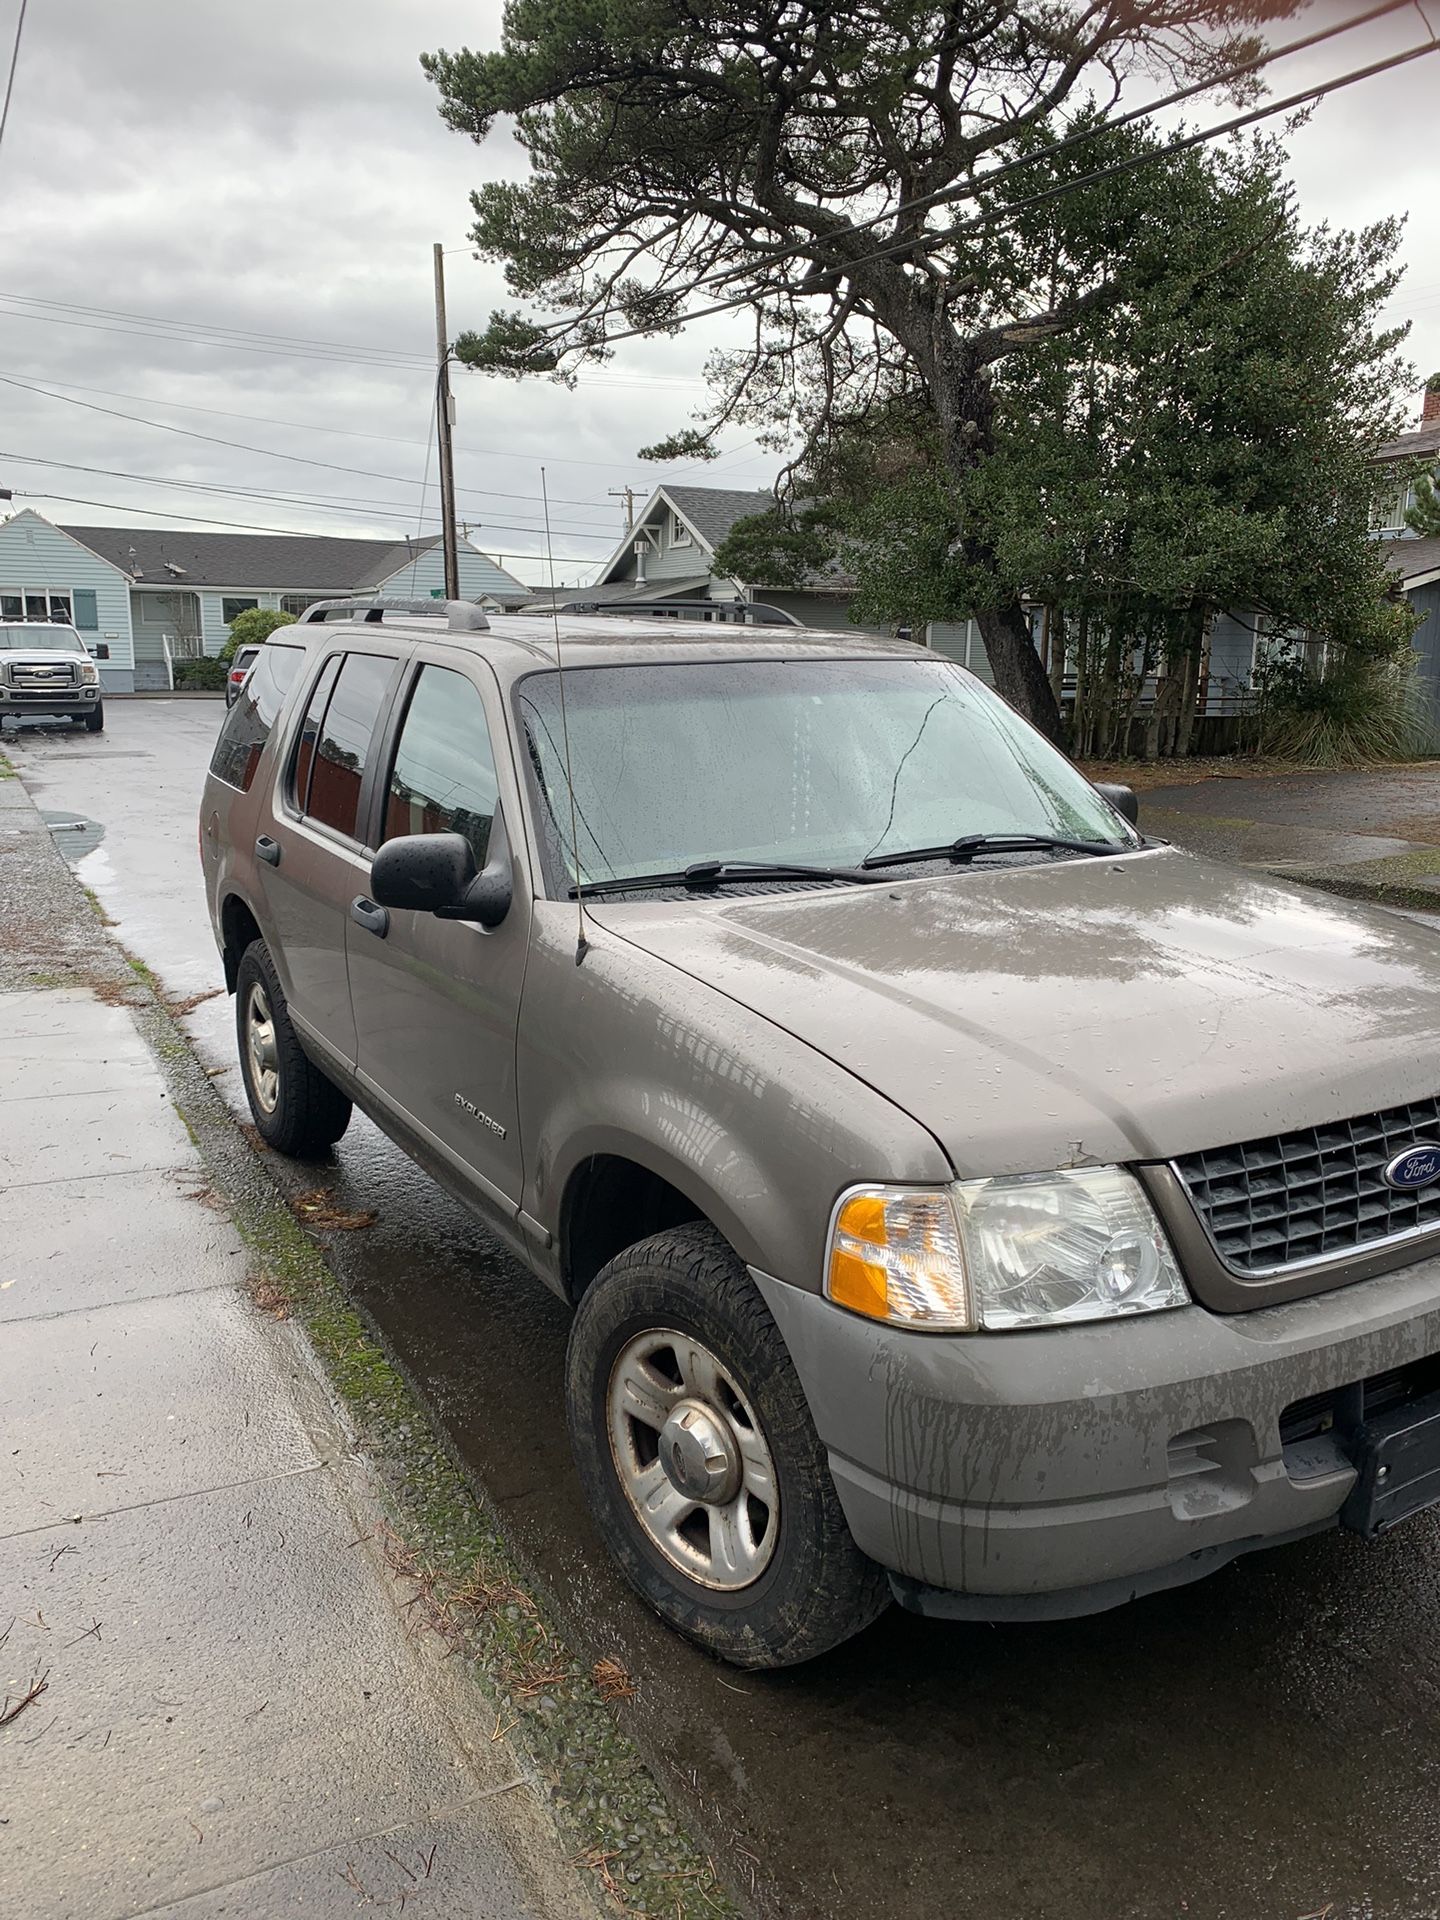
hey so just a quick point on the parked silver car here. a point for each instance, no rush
(964, 1199)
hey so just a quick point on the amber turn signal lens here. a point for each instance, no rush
(895, 1255)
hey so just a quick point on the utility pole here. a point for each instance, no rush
(627, 494)
(445, 426)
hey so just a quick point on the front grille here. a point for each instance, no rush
(1297, 1197)
(56, 679)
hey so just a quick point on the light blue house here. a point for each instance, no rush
(143, 596)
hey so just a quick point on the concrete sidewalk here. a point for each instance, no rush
(1373, 835)
(211, 1703)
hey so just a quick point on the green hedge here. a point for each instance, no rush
(200, 676)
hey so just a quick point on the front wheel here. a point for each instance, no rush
(700, 1460)
(295, 1108)
(95, 718)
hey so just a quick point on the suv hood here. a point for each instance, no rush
(1081, 1010)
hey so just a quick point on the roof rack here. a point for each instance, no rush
(734, 613)
(459, 615)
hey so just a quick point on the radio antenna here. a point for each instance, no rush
(582, 945)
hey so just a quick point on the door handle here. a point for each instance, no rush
(365, 913)
(268, 850)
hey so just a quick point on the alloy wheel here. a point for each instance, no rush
(692, 1459)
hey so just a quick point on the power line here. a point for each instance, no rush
(14, 62)
(249, 526)
(1002, 217)
(201, 334)
(229, 346)
(350, 433)
(205, 326)
(355, 505)
(240, 446)
(1051, 148)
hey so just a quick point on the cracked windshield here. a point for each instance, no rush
(829, 762)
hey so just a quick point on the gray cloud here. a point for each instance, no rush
(281, 168)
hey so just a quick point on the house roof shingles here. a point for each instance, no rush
(1413, 558)
(312, 562)
(713, 511)
(1409, 446)
(300, 563)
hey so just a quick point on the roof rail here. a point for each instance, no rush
(734, 613)
(462, 615)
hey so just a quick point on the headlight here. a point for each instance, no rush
(90, 674)
(1057, 1247)
(1040, 1250)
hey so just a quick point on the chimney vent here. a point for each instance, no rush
(1430, 411)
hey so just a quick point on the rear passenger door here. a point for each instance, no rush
(318, 864)
(437, 1002)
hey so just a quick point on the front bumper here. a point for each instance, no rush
(17, 701)
(1039, 1474)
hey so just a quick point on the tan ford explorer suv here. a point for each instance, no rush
(964, 1199)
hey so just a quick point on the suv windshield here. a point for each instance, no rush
(32, 637)
(819, 762)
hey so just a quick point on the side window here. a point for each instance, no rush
(248, 723)
(344, 743)
(443, 776)
(303, 758)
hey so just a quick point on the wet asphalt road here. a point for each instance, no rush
(1266, 1743)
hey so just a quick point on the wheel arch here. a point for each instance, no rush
(619, 1194)
(238, 927)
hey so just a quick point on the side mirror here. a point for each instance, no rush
(1122, 799)
(436, 873)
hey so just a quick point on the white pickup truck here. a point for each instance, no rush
(45, 669)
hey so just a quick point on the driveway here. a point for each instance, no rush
(1262, 1744)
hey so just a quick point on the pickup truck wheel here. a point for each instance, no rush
(701, 1462)
(95, 718)
(296, 1109)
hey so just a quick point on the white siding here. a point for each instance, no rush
(425, 574)
(961, 641)
(35, 554)
(1232, 658)
(823, 610)
(213, 629)
(675, 563)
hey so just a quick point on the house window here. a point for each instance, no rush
(231, 606)
(1388, 513)
(680, 535)
(296, 603)
(36, 603)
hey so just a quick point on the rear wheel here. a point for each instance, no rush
(700, 1460)
(295, 1108)
(95, 719)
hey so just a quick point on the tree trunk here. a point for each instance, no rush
(959, 392)
(1016, 664)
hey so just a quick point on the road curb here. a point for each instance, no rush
(444, 1544)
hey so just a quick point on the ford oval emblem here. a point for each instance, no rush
(1416, 1167)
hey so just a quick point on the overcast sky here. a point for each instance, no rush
(279, 168)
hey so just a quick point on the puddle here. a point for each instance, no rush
(74, 834)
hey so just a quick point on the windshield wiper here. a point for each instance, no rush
(711, 873)
(968, 845)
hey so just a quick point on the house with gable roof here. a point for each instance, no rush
(143, 596)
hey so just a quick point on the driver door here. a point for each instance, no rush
(437, 1002)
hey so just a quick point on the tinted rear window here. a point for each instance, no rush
(248, 723)
(339, 767)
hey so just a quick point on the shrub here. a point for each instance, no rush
(1362, 710)
(253, 628)
(206, 675)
